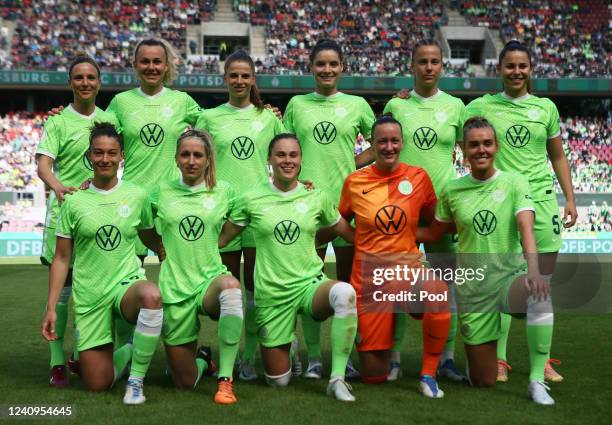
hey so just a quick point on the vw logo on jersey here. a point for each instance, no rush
(390, 220)
(151, 135)
(191, 228)
(425, 138)
(287, 232)
(484, 222)
(324, 132)
(242, 147)
(108, 237)
(86, 162)
(518, 136)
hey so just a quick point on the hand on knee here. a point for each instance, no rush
(539, 312)
(279, 380)
(342, 298)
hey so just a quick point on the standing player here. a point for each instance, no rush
(151, 118)
(327, 122)
(432, 124)
(289, 277)
(387, 200)
(100, 225)
(494, 215)
(63, 165)
(191, 211)
(241, 130)
(528, 129)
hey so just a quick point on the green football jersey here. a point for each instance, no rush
(103, 226)
(485, 215)
(327, 128)
(431, 127)
(284, 225)
(65, 139)
(190, 221)
(150, 126)
(523, 126)
(241, 138)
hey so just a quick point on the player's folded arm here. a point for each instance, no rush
(229, 231)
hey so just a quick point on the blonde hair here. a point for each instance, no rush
(172, 58)
(210, 174)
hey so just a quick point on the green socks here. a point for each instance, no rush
(146, 336)
(57, 346)
(250, 329)
(343, 331)
(399, 331)
(312, 336)
(502, 342)
(539, 335)
(123, 332)
(230, 328)
(121, 357)
(449, 347)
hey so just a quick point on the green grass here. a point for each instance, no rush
(582, 341)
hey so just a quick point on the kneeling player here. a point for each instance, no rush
(100, 225)
(190, 211)
(494, 215)
(387, 200)
(285, 217)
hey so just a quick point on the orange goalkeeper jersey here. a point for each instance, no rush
(386, 207)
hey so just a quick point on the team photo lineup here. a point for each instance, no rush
(197, 215)
(434, 212)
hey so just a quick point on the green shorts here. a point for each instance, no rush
(548, 225)
(48, 246)
(246, 239)
(181, 321)
(95, 327)
(276, 323)
(481, 322)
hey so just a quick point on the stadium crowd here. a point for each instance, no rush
(19, 136)
(593, 219)
(588, 143)
(49, 33)
(566, 38)
(377, 37)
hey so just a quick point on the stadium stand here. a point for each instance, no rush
(588, 143)
(593, 219)
(19, 136)
(377, 36)
(48, 33)
(567, 38)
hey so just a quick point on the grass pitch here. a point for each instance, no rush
(582, 341)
